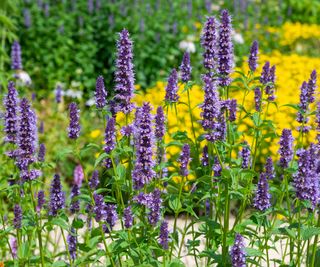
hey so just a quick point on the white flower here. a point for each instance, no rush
(23, 77)
(237, 37)
(75, 84)
(90, 102)
(187, 46)
(74, 93)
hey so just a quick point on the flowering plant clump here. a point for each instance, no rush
(156, 193)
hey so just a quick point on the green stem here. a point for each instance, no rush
(299, 235)
(66, 246)
(266, 240)
(176, 213)
(226, 225)
(314, 248)
(38, 226)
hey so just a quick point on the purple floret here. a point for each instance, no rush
(16, 62)
(74, 126)
(57, 196)
(124, 75)
(100, 93)
(237, 252)
(172, 88)
(17, 221)
(253, 57)
(209, 43)
(160, 124)
(143, 171)
(127, 217)
(184, 160)
(164, 235)
(11, 104)
(286, 148)
(225, 49)
(185, 68)
(262, 197)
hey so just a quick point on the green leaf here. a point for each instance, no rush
(59, 264)
(309, 232)
(60, 222)
(176, 263)
(99, 159)
(251, 252)
(175, 203)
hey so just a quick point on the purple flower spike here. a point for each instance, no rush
(205, 156)
(78, 175)
(216, 167)
(237, 253)
(41, 200)
(99, 209)
(312, 86)
(41, 127)
(110, 136)
(58, 94)
(126, 130)
(27, 141)
(185, 68)
(172, 88)
(16, 62)
(245, 154)
(211, 106)
(42, 152)
(72, 243)
(304, 98)
(100, 93)
(143, 171)
(14, 247)
(271, 79)
(94, 181)
(111, 216)
(127, 217)
(265, 73)
(286, 148)
(74, 126)
(257, 98)
(160, 124)
(209, 42)
(318, 121)
(75, 203)
(232, 109)
(253, 57)
(11, 115)
(124, 76)
(17, 221)
(225, 49)
(164, 235)
(27, 18)
(184, 160)
(269, 169)
(305, 181)
(262, 198)
(155, 207)
(110, 143)
(57, 196)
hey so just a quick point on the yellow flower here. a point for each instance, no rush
(95, 133)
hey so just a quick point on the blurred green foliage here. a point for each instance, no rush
(65, 41)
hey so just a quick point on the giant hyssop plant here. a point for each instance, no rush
(126, 219)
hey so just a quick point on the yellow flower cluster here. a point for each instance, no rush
(292, 32)
(291, 71)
